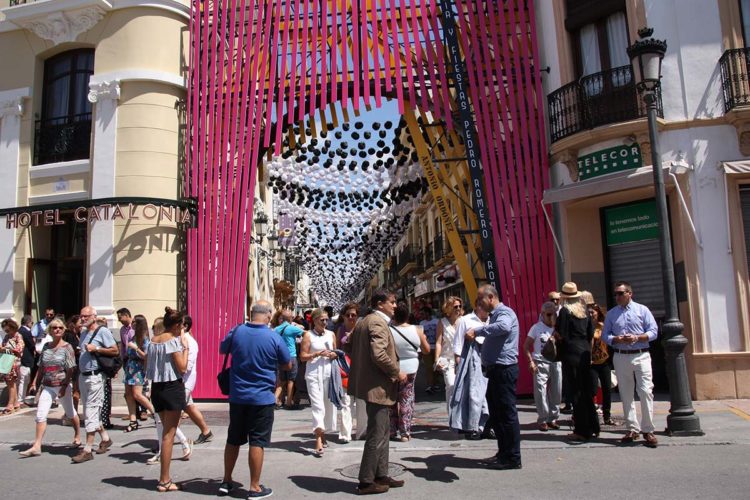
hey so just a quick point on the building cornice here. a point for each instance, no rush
(64, 20)
(138, 75)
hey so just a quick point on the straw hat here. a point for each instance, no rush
(570, 291)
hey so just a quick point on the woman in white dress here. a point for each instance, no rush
(317, 350)
(453, 309)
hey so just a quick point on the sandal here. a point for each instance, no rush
(133, 426)
(167, 487)
(8, 411)
(318, 453)
(75, 446)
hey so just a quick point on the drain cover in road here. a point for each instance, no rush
(352, 471)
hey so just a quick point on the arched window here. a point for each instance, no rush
(64, 131)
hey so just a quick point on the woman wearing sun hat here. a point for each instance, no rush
(576, 331)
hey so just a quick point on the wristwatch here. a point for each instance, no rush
(97, 348)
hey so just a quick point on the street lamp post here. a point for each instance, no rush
(646, 56)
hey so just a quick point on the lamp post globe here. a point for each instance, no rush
(646, 57)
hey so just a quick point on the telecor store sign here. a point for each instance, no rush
(608, 161)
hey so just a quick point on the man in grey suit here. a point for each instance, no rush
(374, 377)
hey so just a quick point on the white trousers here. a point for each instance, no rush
(22, 383)
(547, 391)
(48, 396)
(449, 377)
(323, 411)
(92, 395)
(634, 372)
(345, 419)
(361, 410)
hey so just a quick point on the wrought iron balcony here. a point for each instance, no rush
(595, 100)
(13, 3)
(735, 66)
(62, 139)
(405, 258)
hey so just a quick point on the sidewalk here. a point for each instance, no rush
(433, 459)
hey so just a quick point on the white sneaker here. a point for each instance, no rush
(153, 460)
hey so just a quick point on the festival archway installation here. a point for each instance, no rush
(257, 66)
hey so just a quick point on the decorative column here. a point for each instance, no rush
(11, 111)
(105, 95)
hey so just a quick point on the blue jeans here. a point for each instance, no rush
(501, 398)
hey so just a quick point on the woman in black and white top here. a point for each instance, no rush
(166, 361)
(410, 340)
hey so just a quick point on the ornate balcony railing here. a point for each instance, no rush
(13, 3)
(62, 139)
(594, 100)
(735, 66)
(405, 258)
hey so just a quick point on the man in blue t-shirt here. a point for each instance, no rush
(290, 332)
(257, 352)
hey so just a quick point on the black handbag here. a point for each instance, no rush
(550, 350)
(224, 375)
(108, 365)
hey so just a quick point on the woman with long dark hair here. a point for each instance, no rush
(600, 370)
(410, 342)
(134, 371)
(166, 361)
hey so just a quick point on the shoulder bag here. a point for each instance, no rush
(7, 360)
(416, 347)
(224, 375)
(109, 365)
(550, 350)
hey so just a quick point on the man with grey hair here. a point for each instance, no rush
(500, 364)
(547, 373)
(95, 341)
(257, 352)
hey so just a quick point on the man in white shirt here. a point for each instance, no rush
(547, 374)
(189, 378)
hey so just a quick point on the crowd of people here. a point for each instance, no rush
(357, 370)
(73, 361)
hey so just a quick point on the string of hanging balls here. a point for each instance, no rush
(351, 191)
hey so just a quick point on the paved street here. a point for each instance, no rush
(435, 463)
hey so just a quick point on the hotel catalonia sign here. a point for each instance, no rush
(105, 211)
(610, 160)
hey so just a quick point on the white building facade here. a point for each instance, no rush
(602, 178)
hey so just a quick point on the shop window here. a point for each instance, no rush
(64, 131)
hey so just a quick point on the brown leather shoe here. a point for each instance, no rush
(553, 425)
(390, 482)
(84, 456)
(651, 440)
(372, 488)
(104, 446)
(543, 427)
(629, 437)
